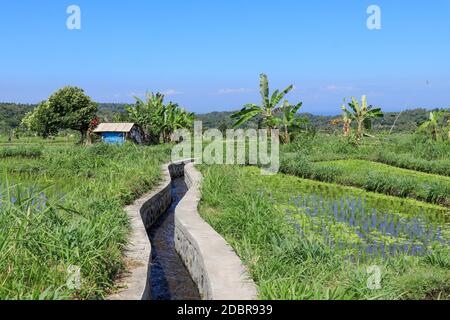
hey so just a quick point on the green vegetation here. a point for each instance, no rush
(379, 201)
(260, 218)
(22, 152)
(400, 150)
(438, 127)
(362, 114)
(373, 177)
(65, 210)
(68, 108)
(268, 110)
(159, 121)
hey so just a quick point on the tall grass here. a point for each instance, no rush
(82, 223)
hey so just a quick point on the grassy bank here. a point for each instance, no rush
(281, 237)
(64, 211)
(399, 150)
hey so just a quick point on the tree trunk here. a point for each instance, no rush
(287, 139)
(82, 136)
(360, 131)
(89, 138)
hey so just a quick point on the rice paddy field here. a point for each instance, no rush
(303, 239)
(61, 210)
(335, 214)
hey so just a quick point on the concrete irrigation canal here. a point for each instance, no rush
(173, 254)
(170, 280)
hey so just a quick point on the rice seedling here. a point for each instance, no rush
(362, 232)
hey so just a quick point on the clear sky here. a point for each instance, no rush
(207, 54)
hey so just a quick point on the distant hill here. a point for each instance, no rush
(11, 115)
(408, 121)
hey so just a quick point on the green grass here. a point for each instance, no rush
(400, 150)
(20, 152)
(249, 210)
(31, 141)
(383, 178)
(372, 176)
(82, 223)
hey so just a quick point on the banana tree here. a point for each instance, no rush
(158, 120)
(362, 114)
(289, 119)
(175, 118)
(147, 115)
(435, 126)
(269, 108)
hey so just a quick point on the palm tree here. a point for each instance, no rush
(269, 108)
(362, 114)
(289, 119)
(435, 126)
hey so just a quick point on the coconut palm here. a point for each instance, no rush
(362, 114)
(269, 108)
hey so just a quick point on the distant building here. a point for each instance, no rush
(118, 133)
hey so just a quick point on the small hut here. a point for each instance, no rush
(118, 133)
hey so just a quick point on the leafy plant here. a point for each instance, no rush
(362, 114)
(267, 110)
(67, 108)
(158, 120)
(435, 127)
(289, 120)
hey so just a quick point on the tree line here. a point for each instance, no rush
(71, 109)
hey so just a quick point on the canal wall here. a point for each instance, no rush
(143, 213)
(212, 263)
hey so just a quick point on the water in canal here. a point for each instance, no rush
(170, 279)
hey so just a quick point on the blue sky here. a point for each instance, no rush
(208, 54)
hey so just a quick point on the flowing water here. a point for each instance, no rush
(169, 277)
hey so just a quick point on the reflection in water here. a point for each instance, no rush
(170, 279)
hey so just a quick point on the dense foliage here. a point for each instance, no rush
(67, 108)
(158, 120)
